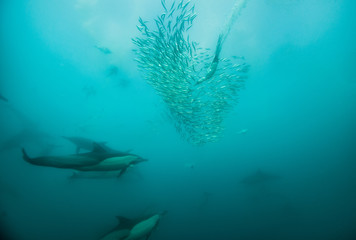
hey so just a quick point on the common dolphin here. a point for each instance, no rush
(145, 227)
(122, 230)
(259, 177)
(74, 161)
(82, 143)
(111, 160)
(97, 160)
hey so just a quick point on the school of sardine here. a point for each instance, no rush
(198, 87)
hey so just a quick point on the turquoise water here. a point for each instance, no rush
(283, 168)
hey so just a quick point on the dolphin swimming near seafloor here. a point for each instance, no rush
(97, 160)
(259, 177)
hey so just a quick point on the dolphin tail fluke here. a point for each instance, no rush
(25, 156)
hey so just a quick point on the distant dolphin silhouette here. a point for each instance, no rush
(29, 132)
(103, 49)
(259, 177)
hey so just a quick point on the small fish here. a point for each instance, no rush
(103, 50)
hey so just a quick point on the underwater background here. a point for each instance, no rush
(285, 167)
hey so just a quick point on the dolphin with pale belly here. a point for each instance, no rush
(144, 228)
(97, 160)
(132, 229)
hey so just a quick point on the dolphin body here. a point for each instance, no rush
(132, 229)
(74, 161)
(122, 230)
(83, 143)
(144, 227)
(259, 177)
(97, 160)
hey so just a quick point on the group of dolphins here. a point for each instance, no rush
(133, 229)
(101, 158)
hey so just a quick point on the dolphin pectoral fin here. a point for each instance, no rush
(77, 150)
(122, 171)
(25, 156)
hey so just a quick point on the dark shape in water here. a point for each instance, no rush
(259, 177)
(140, 228)
(88, 144)
(112, 71)
(89, 91)
(103, 49)
(74, 161)
(122, 230)
(3, 98)
(30, 133)
(83, 143)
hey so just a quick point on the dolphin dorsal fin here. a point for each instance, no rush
(98, 148)
(124, 222)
